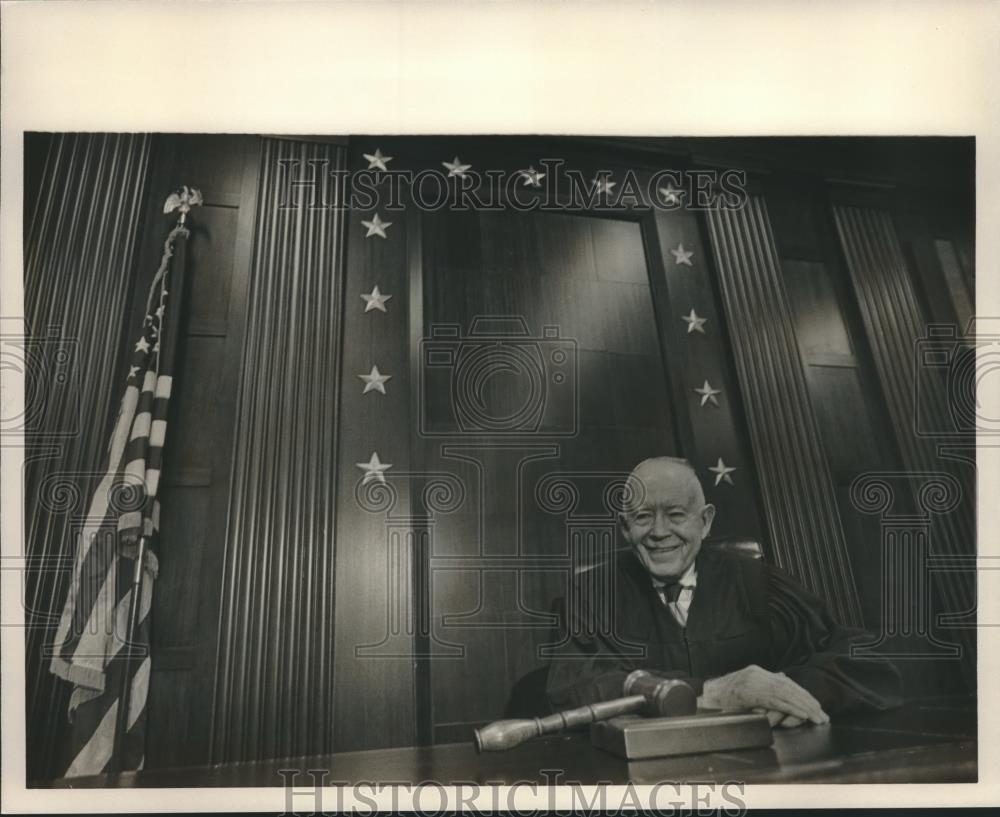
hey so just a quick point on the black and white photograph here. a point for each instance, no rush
(608, 465)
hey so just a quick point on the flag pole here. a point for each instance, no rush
(176, 244)
(125, 697)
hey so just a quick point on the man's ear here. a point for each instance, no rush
(622, 523)
(707, 517)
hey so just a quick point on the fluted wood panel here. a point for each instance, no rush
(894, 321)
(79, 256)
(274, 683)
(795, 483)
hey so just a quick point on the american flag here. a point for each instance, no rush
(88, 649)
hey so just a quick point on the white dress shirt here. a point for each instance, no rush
(679, 608)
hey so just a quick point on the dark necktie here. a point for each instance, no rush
(672, 592)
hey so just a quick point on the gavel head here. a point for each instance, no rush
(665, 697)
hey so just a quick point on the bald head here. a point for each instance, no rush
(665, 517)
(673, 473)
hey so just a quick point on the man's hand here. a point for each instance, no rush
(776, 718)
(773, 692)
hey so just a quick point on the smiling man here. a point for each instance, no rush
(743, 633)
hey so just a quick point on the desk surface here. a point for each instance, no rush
(930, 741)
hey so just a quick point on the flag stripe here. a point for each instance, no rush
(87, 614)
(163, 385)
(96, 752)
(94, 755)
(140, 426)
(97, 511)
(157, 433)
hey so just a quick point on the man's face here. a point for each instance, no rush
(669, 519)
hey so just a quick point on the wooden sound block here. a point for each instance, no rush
(633, 736)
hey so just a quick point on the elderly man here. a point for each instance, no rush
(743, 633)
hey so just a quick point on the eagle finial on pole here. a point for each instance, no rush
(183, 200)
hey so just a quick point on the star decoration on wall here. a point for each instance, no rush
(682, 256)
(142, 345)
(375, 381)
(456, 168)
(532, 177)
(722, 472)
(603, 184)
(670, 194)
(708, 394)
(695, 324)
(375, 300)
(376, 227)
(374, 469)
(376, 160)
(133, 371)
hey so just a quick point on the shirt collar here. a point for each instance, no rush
(688, 579)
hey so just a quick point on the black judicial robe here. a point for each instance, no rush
(743, 612)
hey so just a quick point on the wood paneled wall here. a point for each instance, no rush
(79, 253)
(487, 570)
(894, 321)
(315, 622)
(855, 430)
(274, 688)
(798, 493)
(194, 491)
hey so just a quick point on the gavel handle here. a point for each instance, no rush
(589, 713)
(507, 734)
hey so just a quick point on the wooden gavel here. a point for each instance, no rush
(644, 692)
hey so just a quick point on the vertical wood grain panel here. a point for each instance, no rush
(274, 682)
(795, 483)
(79, 255)
(894, 321)
(380, 549)
(196, 481)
